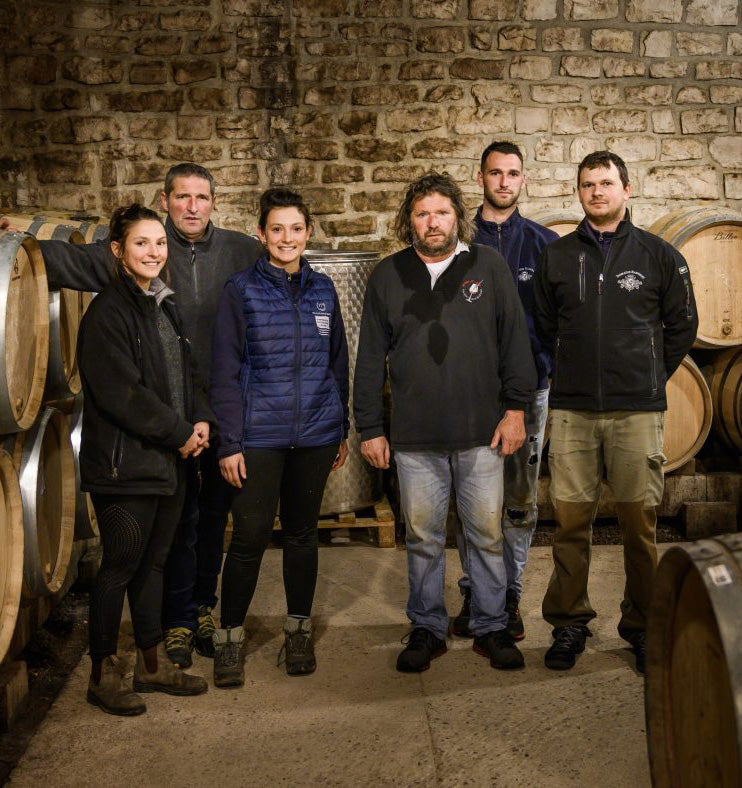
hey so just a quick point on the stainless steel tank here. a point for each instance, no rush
(356, 485)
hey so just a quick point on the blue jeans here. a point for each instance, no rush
(425, 487)
(520, 515)
(195, 560)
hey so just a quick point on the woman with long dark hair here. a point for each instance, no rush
(142, 418)
(279, 389)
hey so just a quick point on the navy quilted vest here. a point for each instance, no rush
(290, 396)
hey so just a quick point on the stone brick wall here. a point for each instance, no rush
(349, 99)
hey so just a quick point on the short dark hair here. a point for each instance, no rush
(122, 220)
(500, 146)
(185, 170)
(280, 197)
(432, 183)
(604, 158)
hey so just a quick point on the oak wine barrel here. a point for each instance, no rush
(693, 698)
(724, 376)
(46, 471)
(689, 414)
(11, 550)
(561, 222)
(24, 343)
(710, 239)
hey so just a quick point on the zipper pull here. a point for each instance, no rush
(600, 283)
(600, 237)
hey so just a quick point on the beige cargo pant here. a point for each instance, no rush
(629, 445)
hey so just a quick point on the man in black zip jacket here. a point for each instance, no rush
(616, 304)
(448, 318)
(201, 257)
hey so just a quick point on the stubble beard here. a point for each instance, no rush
(500, 203)
(445, 247)
(603, 219)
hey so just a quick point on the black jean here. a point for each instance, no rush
(136, 532)
(195, 560)
(297, 477)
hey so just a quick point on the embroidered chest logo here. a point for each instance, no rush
(472, 289)
(322, 319)
(525, 274)
(630, 280)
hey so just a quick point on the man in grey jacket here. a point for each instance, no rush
(201, 258)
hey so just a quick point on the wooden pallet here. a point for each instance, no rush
(382, 522)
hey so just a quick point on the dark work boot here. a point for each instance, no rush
(229, 669)
(460, 625)
(111, 694)
(500, 647)
(515, 622)
(422, 646)
(167, 678)
(298, 647)
(568, 643)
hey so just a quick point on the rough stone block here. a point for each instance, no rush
(144, 172)
(358, 122)
(304, 124)
(378, 202)
(738, 119)
(550, 188)
(581, 146)
(371, 149)
(691, 95)
(590, 9)
(212, 44)
(539, 9)
(611, 40)
(239, 127)
(444, 93)
(111, 45)
(727, 151)
(34, 69)
(712, 12)
(292, 172)
(536, 68)
(407, 120)
(54, 42)
(681, 150)
(633, 148)
(269, 38)
(654, 95)
(681, 183)
(250, 98)
(154, 72)
(516, 38)
(160, 45)
(359, 225)
(441, 39)
(655, 43)
(617, 67)
(422, 69)
(342, 173)
(480, 38)
(253, 8)
(186, 20)
(80, 130)
(89, 18)
(197, 152)
(733, 185)
(719, 69)
(150, 128)
(499, 10)
(669, 69)
(384, 95)
(326, 96)
(703, 519)
(654, 10)
(734, 44)
(235, 174)
(435, 9)
(28, 134)
(400, 173)
(663, 122)
(549, 150)
(699, 43)
(317, 150)
(726, 94)
(555, 94)
(62, 98)
(324, 200)
(570, 120)
(64, 166)
(352, 71)
(193, 70)
(562, 39)
(580, 66)
(329, 48)
(214, 99)
(606, 95)
(477, 68)
(395, 30)
(704, 121)
(530, 120)
(93, 70)
(620, 120)
(263, 151)
(485, 120)
(351, 32)
(195, 127)
(446, 148)
(379, 8)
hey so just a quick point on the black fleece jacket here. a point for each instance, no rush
(197, 273)
(130, 428)
(619, 324)
(459, 354)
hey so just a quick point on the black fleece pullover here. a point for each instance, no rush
(459, 354)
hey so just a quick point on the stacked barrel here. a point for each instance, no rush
(42, 510)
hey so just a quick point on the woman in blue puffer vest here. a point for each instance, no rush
(279, 390)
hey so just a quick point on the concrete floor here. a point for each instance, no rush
(358, 722)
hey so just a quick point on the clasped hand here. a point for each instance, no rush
(198, 441)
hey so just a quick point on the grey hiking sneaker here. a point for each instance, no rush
(111, 694)
(203, 639)
(298, 647)
(229, 669)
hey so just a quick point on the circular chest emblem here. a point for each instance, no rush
(472, 289)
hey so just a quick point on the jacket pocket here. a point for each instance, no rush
(631, 362)
(574, 365)
(117, 454)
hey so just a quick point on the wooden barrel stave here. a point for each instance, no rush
(561, 222)
(86, 523)
(11, 550)
(724, 377)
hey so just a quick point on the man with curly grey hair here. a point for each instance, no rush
(447, 317)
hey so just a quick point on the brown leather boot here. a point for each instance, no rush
(111, 694)
(167, 678)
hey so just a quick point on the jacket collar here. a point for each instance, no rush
(622, 230)
(513, 221)
(278, 275)
(174, 232)
(143, 302)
